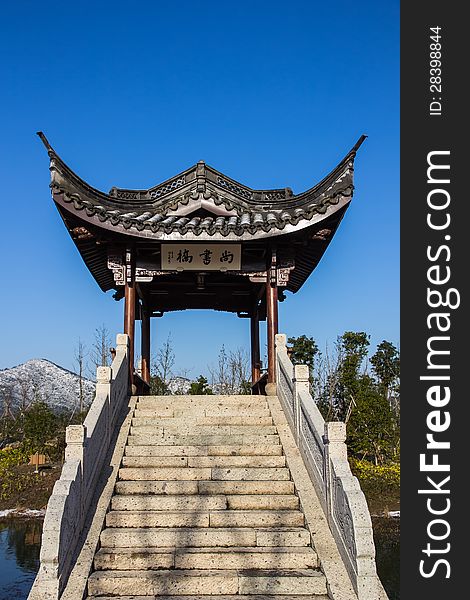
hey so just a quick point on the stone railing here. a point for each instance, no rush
(323, 449)
(87, 446)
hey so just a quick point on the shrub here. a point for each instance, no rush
(10, 480)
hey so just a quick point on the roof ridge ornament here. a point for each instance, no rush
(46, 143)
(358, 144)
(201, 192)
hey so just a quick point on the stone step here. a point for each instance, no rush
(249, 411)
(237, 461)
(198, 410)
(170, 401)
(142, 426)
(206, 597)
(205, 503)
(203, 461)
(163, 582)
(187, 537)
(206, 558)
(256, 518)
(170, 503)
(262, 502)
(154, 461)
(214, 473)
(202, 440)
(134, 558)
(162, 518)
(246, 558)
(217, 488)
(227, 420)
(221, 518)
(215, 396)
(219, 397)
(274, 538)
(167, 412)
(211, 582)
(234, 450)
(250, 474)
(163, 474)
(198, 420)
(283, 583)
(245, 487)
(166, 488)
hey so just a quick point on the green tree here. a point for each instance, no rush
(304, 351)
(371, 428)
(157, 386)
(346, 392)
(40, 425)
(200, 387)
(386, 366)
(352, 350)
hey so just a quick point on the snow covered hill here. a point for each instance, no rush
(40, 379)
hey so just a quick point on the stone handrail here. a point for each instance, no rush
(86, 448)
(323, 449)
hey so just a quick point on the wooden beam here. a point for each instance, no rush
(145, 343)
(129, 309)
(272, 318)
(255, 354)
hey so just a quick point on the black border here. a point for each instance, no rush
(422, 133)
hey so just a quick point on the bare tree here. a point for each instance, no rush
(26, 393)
(100, 350)
(162, 368)
(80, 360)
(231, 374)
(325, 381)
(6, 418)
(6, 395)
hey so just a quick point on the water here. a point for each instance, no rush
(387, 548)
(20, 541)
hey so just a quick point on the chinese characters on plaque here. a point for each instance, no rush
(201, 257)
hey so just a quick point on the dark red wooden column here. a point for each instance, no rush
(129, 309)
(255, 354)
(272, 317)
(145, 343)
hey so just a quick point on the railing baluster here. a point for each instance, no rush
(324, 451)
(86, 448)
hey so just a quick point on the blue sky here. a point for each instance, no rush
(129, 94)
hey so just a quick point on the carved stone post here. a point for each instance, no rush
(129, 310)
(75, 436)
(335, 447)
(301, 384)
(103, 387)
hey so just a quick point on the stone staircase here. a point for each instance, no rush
(205, 507)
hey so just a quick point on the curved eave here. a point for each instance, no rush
(206, 181)
(312, 252)
(170, 232)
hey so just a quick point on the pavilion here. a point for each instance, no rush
(201, 240)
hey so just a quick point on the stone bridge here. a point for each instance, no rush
(206, 497)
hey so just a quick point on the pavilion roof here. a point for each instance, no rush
(202, 203)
